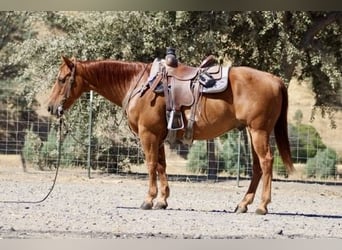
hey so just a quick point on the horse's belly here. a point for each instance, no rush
(211, 124)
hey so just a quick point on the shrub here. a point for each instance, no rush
(323, 165)
(304, 142)
(74, 150)
(117, 158)
(32, 146)
(278, 165)
(198, 158)
(49, 150)
(229, 155)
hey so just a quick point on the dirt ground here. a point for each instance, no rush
(107, 207)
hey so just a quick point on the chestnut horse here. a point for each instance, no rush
(254, 99)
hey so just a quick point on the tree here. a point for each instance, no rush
(286, 43)
(13, 28)
(300, 44)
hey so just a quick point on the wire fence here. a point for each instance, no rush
(89, 144)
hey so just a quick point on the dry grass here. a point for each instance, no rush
(301, 98)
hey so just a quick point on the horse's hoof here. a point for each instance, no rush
(160, 205)
(240, 210)
(146, 206)
(261, 211)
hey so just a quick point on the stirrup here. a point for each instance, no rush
(175, 120)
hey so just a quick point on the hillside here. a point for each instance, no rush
(301, 98)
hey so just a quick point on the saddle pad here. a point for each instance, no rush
(220, 85)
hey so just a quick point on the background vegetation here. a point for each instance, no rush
(305, 45)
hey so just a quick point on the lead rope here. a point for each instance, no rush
(59, 146)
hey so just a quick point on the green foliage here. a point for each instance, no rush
(32, 147)
(275, 41)
(49, 151)
(278, 166)
(117, 158)
(229, 155)
(74, 147)
(198, 158)
(305, 141)
(298, 117)
(287, 43)
(43, 154)
(13, 29)
(323, 165)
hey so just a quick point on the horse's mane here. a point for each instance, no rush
(111, 70)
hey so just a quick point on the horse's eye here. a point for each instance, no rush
(61, 80)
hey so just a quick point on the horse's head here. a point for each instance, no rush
(66, 88)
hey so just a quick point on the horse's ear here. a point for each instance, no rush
(68, 62)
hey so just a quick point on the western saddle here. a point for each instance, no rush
(181, 85)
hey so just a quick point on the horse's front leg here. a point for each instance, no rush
(155, 160)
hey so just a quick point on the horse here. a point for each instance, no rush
(254, 99)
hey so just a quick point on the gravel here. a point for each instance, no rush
(107, 207)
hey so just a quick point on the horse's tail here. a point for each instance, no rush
(281, 134)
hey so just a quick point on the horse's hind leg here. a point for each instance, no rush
(260, 141)
(250, 194)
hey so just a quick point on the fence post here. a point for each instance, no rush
(90, 131)
(238, 160)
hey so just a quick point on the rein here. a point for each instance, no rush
(132, 93)
(59, 146)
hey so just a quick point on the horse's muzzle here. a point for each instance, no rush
(56, 111)
(60, 111)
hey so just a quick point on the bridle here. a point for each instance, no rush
(70, 83)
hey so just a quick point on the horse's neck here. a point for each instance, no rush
(113, 79)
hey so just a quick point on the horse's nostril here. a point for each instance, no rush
(60, 111)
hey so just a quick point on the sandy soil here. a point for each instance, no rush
(107, 206)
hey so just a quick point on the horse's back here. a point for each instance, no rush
(254, 78)
(257, 95)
